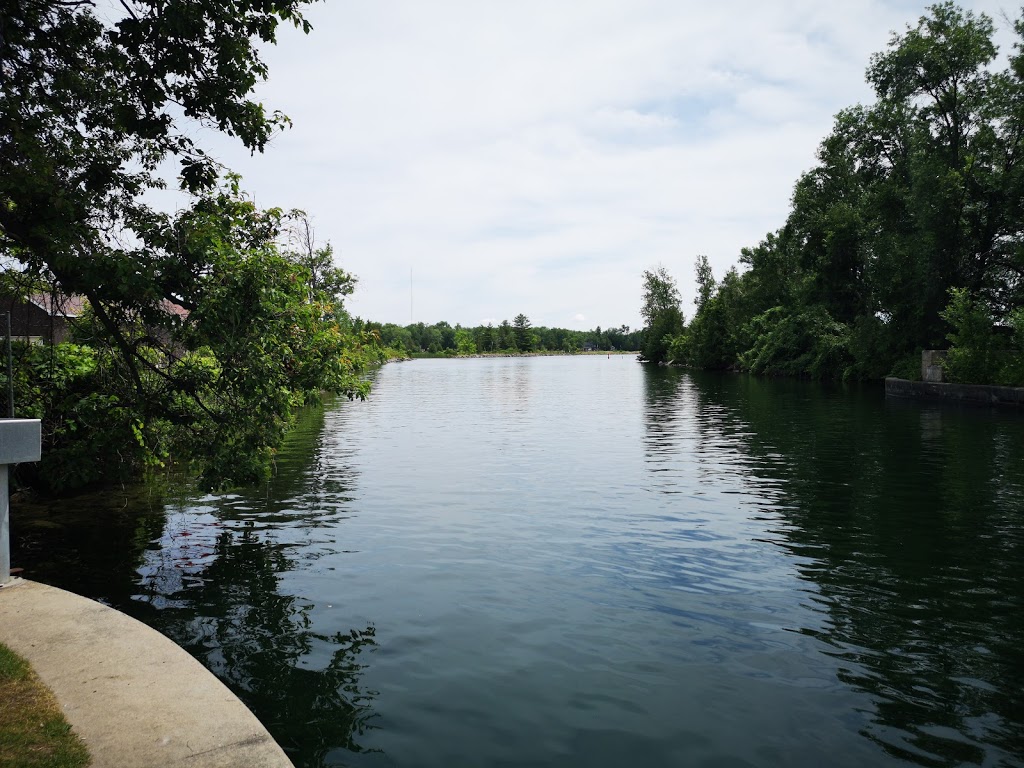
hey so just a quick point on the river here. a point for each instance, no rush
(583, 561)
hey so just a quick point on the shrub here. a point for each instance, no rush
(973, 355)
(806, 342)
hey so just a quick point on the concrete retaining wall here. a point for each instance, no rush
(1012, 397)
(136, 699)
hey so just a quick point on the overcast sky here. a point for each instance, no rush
(536, 157)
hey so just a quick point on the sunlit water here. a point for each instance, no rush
(586, 562)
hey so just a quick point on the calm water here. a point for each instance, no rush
(585, 562)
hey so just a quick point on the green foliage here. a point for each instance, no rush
(661, 313)
(521, 329)
(216, 386)
(484, 336)
(88, 434)
(917, 194)
(705, 282)
(435, 340)
(464, 343)
(807, 342)
(1012, 373)
(203, 334)
(977, 353)
(326, 280)
(907, 367)
(504, 337)
(972, 358)
(715, 337)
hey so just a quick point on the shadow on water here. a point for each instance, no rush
(211, 572)
(907, 522)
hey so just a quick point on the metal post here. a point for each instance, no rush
(10, 372)
(5, 528)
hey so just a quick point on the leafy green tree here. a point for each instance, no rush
(464, 343)
(974, 356)
(709, 341)
(800, 342)
(661, 313)
(935, 81)
(395, 337)
(222, 381)
(326, 279)
(446, 336)
(506, 339)
(920, 193)
(485, 338)
(91, 105)
(199, 321)
(705, 282)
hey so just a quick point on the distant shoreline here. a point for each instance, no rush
(443, 356)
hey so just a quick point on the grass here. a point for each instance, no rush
(33, 732)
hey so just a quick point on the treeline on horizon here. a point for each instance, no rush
(519, 336)
(908, 234)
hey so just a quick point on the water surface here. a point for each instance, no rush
(582, 561)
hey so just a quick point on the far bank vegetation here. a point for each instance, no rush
(908, 233)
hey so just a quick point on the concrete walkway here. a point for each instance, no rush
(136, 698)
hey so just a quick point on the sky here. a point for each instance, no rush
(470, 161)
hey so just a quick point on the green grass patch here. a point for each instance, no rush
(33, 732)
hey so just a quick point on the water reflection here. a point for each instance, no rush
(221, 575)
(577, 561)
(93, 543)
(909, 523)
(228, 608)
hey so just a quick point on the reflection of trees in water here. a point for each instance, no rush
(663, 407)
(214, 585)
(303, 684)
(90, 544)
(506, 383)
(211, 579)
(909, 520)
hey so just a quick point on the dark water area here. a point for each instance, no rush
(588, 562)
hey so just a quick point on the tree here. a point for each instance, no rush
(485, 338)
(220, 384)
(662, 314)
(325, 278)
(938, 191)
(446, 336)
(464, 343)
(914, 196)
(521, 328)
(505, 338)
(198, 318)
(89, 109)
(705, 282)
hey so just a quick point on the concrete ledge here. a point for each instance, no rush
(979, 394)
(134, 697)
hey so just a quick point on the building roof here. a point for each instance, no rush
(58, 305)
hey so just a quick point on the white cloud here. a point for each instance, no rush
(536, 157)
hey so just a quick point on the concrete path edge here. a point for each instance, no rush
(135, 697)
